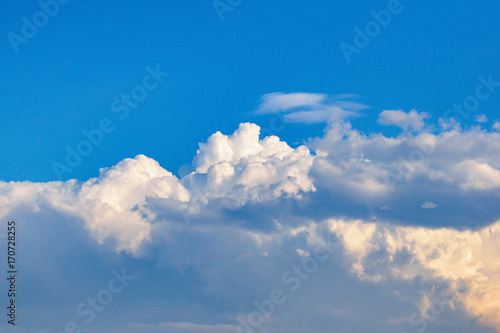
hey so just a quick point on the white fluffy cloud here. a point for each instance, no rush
(239, 167)
(411, 168)
(255, 205)
(111, 206)
(242, 168)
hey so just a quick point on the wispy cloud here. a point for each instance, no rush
(310, 108)
(181, 328)
(496, 126)
(412, 120)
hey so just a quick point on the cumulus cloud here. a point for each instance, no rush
(374, 171)
(412, 120)
(252, 208)
(111, 206)
(242, 168)
(476, 174)
(351, 170)
(117, 205)
(467, 259)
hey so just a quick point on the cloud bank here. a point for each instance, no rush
(253, 206)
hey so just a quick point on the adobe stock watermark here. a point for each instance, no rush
(293, 278)
(223, 6)
(471, 103)
(30, 28)
(459, 113)
(372, 29)
(122, 106)
(276, 125)
(87, 309)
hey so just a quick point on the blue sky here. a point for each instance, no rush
(65, 79)
(225, 167)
